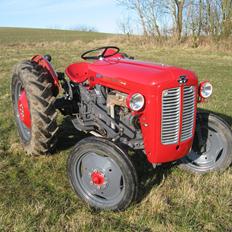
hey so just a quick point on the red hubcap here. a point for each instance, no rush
(23, 109)
(97, 178)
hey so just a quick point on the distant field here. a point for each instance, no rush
(34, 192)
(24, 35)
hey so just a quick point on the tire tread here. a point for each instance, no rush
(39, 90)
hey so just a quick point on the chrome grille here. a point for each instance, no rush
(170, 116)
(188, 112)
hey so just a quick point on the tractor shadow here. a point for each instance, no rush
(148, 176)
(68, 135)
(225, 117)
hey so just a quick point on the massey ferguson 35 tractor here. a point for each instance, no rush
(126, 104)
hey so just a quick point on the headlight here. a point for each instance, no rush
(206, 89)
(135, 102)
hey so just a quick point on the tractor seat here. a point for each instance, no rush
(77, 72)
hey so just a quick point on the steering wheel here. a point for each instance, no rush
(102, 55)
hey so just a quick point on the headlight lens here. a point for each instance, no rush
(136, 102)
(206, 89)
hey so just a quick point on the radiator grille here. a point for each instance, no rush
(171, 102)
(170, 116)
(188, 112)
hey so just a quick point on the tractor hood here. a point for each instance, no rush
(151, 80)
(133, 76)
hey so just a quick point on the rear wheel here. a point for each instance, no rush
(33, 105)
(212, 147)
(102, 175)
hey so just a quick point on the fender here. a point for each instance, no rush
(46, 64)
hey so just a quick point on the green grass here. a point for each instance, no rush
(26, 35)
(34, 192)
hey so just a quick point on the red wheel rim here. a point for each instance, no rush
(23, 109)
(97, 178)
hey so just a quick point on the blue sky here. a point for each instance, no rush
(104, 15)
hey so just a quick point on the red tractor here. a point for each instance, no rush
(126, 104)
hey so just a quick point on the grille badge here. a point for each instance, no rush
(182, 79)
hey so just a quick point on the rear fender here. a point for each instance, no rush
(40, 60)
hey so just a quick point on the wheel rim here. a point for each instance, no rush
(23, 117)
(212, 152)
(99, 179)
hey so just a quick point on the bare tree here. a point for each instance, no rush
(153, 11)
(194, 18)
(84, 28)
(138, 7)
(175, 8)
(189, 17)
(147, 12)
(226, 8)
(125, 26)
(212, 18)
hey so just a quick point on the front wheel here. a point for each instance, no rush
(212, 146)
(102, 174)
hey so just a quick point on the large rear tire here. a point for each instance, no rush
(33, 99)
(102, 174)
(212, 146)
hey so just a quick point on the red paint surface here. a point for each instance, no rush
(23, 109)
(45, 64)
(97, 178)
(77, 72)
(149, 79)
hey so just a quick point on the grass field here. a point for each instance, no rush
(24, 35)
(34, 192)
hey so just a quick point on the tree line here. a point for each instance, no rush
(179, 18)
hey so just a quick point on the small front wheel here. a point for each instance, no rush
(102, 174)
(212, 146)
